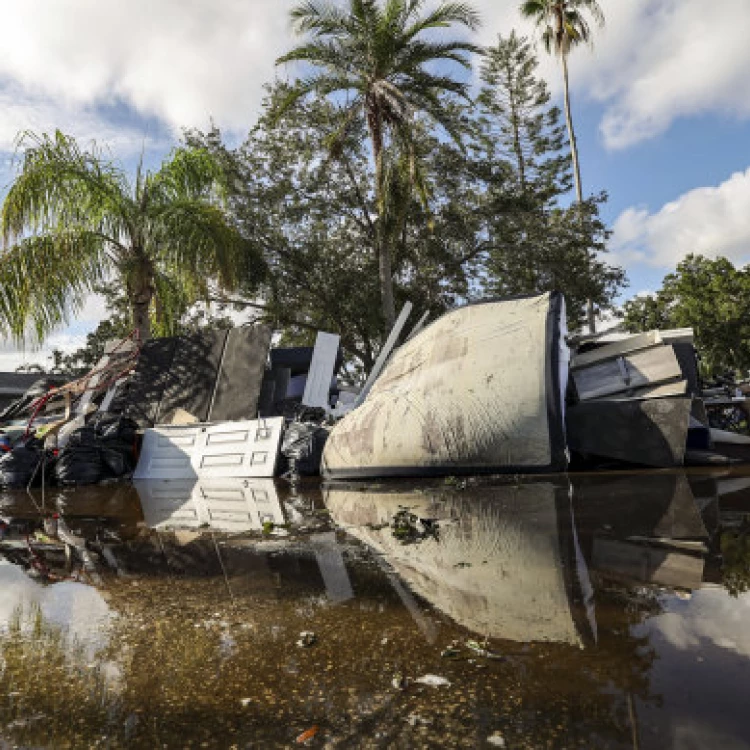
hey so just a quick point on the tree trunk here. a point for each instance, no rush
(140, 288)
(382, 248)
(515, 124)
(141, 318)
(576, 171)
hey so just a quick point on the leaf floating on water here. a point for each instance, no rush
(433, 680)
(308, 734)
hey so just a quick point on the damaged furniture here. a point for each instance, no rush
(632, 397)
(480, 390)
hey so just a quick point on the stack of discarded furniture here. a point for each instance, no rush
(637, 398)
(492, 387)
(632, 397)
(218, 411)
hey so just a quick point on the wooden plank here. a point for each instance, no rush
(385, 352)
(420, 325)
(616, 348)
(677, 336)
(320, 375)
(641, 369)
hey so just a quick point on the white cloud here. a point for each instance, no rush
(77, 608)
(66, 339)
(182, 62)
(708, 220)
(711, 615)
(660, 61)
(653, 62)
(24, 111)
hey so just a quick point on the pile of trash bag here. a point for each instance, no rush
(303, 442)
(105, 448)
(23, 463)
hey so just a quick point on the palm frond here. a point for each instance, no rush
(188, 173)
(195, 236)
(318, 17)
(419, 52)
(445, 15)
(61, 185)
(45, 278)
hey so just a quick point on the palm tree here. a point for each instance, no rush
(564, 25)
(72, 220)
(378, 55)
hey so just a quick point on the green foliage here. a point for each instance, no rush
(735, 550)
(117, 326)
(563, 23)
(314, 213)
(518, 122)
(381, 57)
(710, 296)
(72, 220)
(536, 244)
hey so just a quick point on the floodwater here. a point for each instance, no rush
(606, 610)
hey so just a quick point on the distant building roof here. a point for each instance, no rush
(17, 383)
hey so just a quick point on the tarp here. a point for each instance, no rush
(479, 390)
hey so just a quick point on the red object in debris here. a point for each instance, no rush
(308, 734)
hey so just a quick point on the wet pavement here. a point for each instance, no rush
(607, 610)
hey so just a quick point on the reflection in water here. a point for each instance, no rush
(503, 563)
(218, 504)
(600, 595)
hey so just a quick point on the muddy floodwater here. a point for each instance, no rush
(608, 610)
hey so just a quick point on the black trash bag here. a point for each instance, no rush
(80, 464)
(114, 427)
(19, 466)
(302, 447)
(103, 449)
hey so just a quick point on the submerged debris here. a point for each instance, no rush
(481, 650)
(433, 680)
(306, 639)
(400, 682)
(308, 734)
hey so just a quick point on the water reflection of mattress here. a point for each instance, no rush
(505, 562)
(219, 504)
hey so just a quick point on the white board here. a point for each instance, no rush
(320, 375)
(229, 449)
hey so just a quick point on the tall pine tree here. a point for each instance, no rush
(540, 244)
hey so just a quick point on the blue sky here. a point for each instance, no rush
(661, 104)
